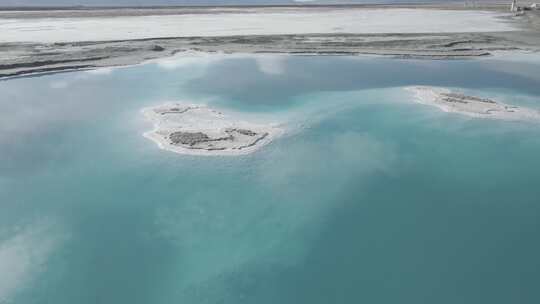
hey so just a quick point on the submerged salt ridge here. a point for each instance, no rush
(199, 130)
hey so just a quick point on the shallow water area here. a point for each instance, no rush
(367, 197)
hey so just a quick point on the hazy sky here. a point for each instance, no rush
(183, 2)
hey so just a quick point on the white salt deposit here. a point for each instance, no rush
(472, 106)
(251, 22)
(199, 130)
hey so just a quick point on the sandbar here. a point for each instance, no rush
(196, 129)
(472, 106)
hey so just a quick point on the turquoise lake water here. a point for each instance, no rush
(369, 197)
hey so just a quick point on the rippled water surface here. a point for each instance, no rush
(369, 197)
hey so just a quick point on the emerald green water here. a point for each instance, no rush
(369, 197)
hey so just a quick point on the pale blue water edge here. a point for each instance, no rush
(371, 198)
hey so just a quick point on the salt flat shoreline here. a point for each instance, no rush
(19, 58)
(115, 11)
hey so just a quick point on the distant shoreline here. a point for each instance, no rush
(462, 32)
(439, 5)
(451, 2)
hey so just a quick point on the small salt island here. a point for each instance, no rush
(199, 130)
(455, 102)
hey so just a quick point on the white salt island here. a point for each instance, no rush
(199, 130)
(455, 102)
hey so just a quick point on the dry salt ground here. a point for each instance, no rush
(252, 22)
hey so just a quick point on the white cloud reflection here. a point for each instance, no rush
(272, 64)
(24, 254)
